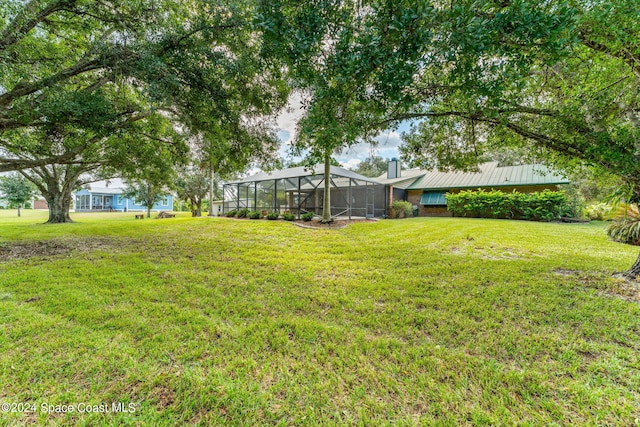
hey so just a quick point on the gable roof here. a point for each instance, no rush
(103, 190)
(490, 175)
(110, 186)
(406, 178)
(302, 171)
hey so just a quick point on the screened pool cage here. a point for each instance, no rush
(300, 190)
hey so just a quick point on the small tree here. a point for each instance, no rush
(371, 167)
(147, 192)
(16, 190)
(192, 186)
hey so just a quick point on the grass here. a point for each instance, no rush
(426, 321)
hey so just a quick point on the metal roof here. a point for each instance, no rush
(302, 171)
(490, 175)
(105, 190)
(106, 186)
(406, 178)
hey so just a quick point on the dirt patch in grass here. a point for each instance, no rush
(336, 224)
(164, 396)
(621, 287)
(625, 288)
(51, 248)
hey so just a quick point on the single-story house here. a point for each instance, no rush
(300, 190)
(106, 196)
(426, 189)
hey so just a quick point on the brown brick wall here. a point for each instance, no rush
(413, 197)
(40, 204)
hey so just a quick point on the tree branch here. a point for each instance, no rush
(21, 24)
(631, 59)
(24, 89)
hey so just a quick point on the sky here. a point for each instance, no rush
(387, 146)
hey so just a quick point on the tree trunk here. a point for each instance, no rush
(59, 204)
(56, 183)
(148, 211)
(326, 205)
(634, 271)
(211, 178)
(18, 210)
(199, 208)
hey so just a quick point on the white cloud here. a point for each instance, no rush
(387, 147)
(289, 117)
(350, 164)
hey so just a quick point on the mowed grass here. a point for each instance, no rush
(426, 321)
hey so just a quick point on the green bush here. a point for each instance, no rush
(242, 213)
(401, 209)
(626, 227)
(253, 215)
(598, 211)
(308, 216)
(231, 213)
(288, 216)
(541, 206)
(273, 215)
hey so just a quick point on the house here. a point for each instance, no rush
(40, 203)
(426, 189)
(300, 190)
(106, 196)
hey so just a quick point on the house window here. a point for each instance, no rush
(165, 201)
(82, 202)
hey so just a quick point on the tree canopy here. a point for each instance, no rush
(559, 78)
(112, 88)
(16, 190)
(146, 191)
(372, 167)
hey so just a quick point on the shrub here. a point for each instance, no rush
(541, 206)
(308, 216)
(598, 211)
(231, 213)
(288, 216)
(401, 209)
(273, 215)
(254, 215)
(242, 213)
(626, 227)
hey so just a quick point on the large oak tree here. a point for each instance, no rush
(110, 87)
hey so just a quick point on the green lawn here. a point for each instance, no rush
(426, 321)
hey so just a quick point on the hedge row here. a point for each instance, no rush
(541, 206)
